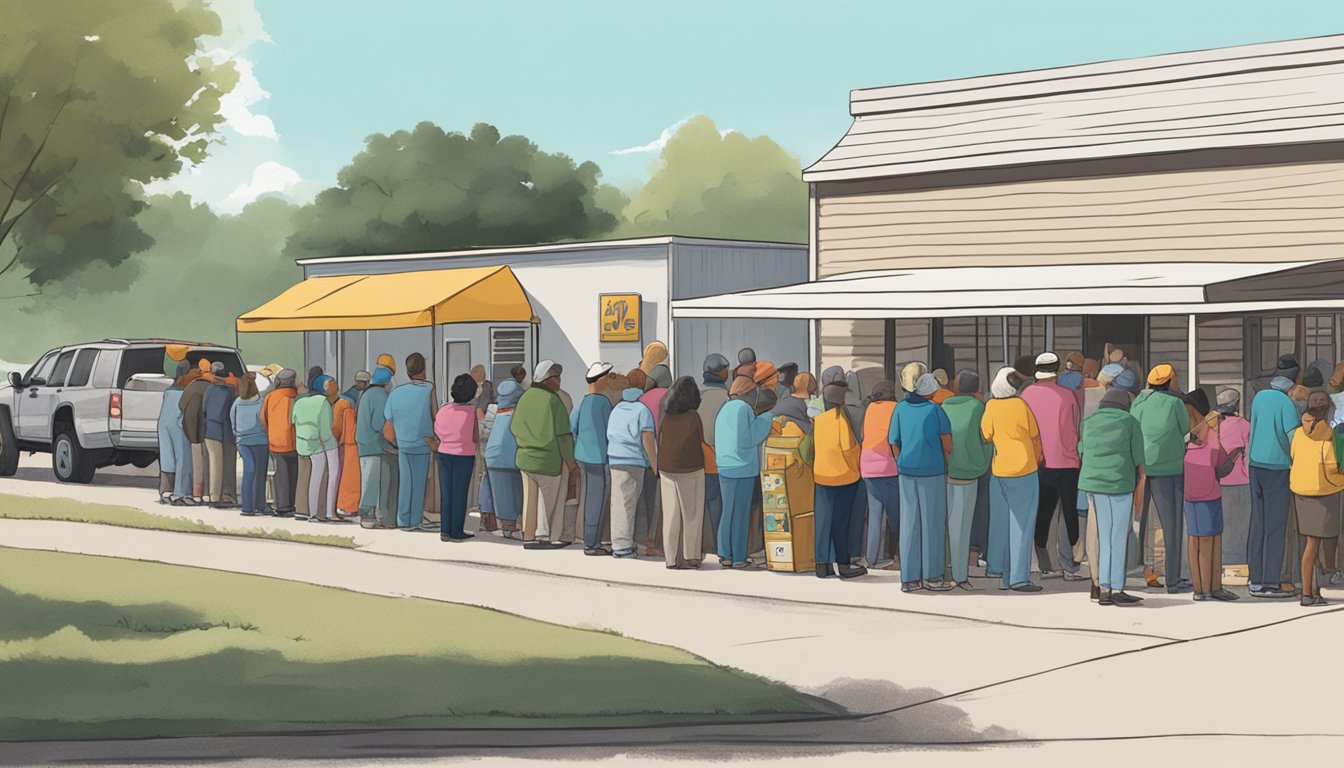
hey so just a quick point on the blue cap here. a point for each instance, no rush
(1127, 380)
(509, 393)
(381, 376)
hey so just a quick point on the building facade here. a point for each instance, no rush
(1186, 208)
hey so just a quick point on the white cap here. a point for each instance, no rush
(1047, 365)
(545, 370)
(597, 371)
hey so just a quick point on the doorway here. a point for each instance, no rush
(1123, 331)
(456, 361)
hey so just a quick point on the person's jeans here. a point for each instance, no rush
(254, 477)
(454, 487)
(596, 500)
(884, 501)
(1168, 493)
(325, 477)
(961, 498)
(177, 461)
(1113, 513)
(858, 513)
(831, 520)
(683, 498)
(923, 527)
(1012, 507)
(412, 475)
(713, 513)
(980, 522)
(1270, 502)
(506, 488)
(370, 471)
(1059, 490)
(627, 488)
(735, 525)
(389, 488)
(286, 480)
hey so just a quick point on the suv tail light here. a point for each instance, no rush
(114, 406)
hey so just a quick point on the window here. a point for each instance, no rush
(105, 370)
(1320, 339)
(79, 372)
(62, 365)
(230, 360)
(508, 347)
(42, 371)
(141, 360)
(1278, 336)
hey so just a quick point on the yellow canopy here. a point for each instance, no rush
(398, 300)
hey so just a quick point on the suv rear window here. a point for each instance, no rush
(230, 360)
(143, 360)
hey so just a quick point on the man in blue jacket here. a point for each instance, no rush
(589, 425)
(410, 408)
(1273, 419)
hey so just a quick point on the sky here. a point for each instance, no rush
(608, 81)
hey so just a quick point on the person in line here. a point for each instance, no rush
(501, 451)
(174, 449)
(834, 451)
(409, 415)
(276, 411)
(1316, 483)
(1234, 432)
(221, 452)
(648, 517)
(1274, 419)
(250, 436)
(1105, 381)
(681, 471)
(921, 439)
(944, 392)
(967, 470)
(266, 378)
(455, 430)
(1162, 415)
(192, 406)
(1206, 462)
(588, 423)
(377, 455)
(792, 406)
(785, 376)
(739, 431)
(545, 455)
(1014, 490)
(1058, 415)
(713, 395)
(633, 458)
(878, 467)
(343, 416)
(479, 496)
(357, 389)
(314, 436)
(1112, 453)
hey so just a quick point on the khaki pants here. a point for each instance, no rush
(223, 464)
(1092, 542)
(627, 488)
(200, 478)
(302, 502)
(683, 497)
(543, 505)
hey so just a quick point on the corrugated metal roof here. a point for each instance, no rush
(1273, 93)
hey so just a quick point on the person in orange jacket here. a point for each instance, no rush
(343, 428)
(833, 448)
(275, 413)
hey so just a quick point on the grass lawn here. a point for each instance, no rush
(70, 510)
(97, 647)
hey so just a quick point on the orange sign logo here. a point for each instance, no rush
(620, 316)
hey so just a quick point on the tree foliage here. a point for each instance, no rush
(94, 96)
(429, 189)
(711, 184)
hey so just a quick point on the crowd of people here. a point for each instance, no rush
(926, 475)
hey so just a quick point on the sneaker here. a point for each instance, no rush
(560, 544)
(1313, 602)
(1096, 593)
(852, 571)
(283, 513)
(535, 544)
(911, 586)
(1105, 597)
(1271, 593)
(1225, 596)
(825, 570)
(595, 552)
(1050, 574)
(246, 513)
(1027, 587)
(938, 586)
(1075, 576)
(619, 552)
(1179, 589)
(747, 566)
(968, 586)
(982, 563)
(1202, 596)
(1125, 599)
(1337, 578)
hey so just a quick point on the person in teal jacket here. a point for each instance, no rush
(1161, 413)
(739, 432)
(967, 470)
(1273, 420)
(377, 455)
(410, 408)
(1111, 445)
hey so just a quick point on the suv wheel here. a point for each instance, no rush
(9, 447)
(70, 462)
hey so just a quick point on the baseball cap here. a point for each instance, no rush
(545, 370)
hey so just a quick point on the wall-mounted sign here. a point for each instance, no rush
(619, 316)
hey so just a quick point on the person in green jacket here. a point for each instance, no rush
(1162, 415)
(967, 470)
(1111, 446)
(545, 446)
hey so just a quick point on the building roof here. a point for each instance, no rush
(1277, 93)
(1162, 288)
(538, 250)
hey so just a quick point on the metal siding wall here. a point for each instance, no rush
(707, 270)
(779, 341)
(1221, 349)
(1168, 342)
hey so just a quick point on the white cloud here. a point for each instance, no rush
(657, 144)
(236, 105)
(240, 27)
(268, 177)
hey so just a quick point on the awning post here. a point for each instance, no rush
(1192, 351)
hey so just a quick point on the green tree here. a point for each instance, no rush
(95, 96)
(430, 189)
(707, 184)
(202, 271)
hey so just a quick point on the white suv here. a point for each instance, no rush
(94, 405)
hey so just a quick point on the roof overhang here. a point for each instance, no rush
(396, 300)
(1145, 289)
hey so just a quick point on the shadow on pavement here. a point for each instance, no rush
(113, 476)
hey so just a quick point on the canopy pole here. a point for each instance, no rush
(434, 347)
(1192, 352)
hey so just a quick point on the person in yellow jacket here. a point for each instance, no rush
(1009, 425)
(833, 449)
(1316, 482)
